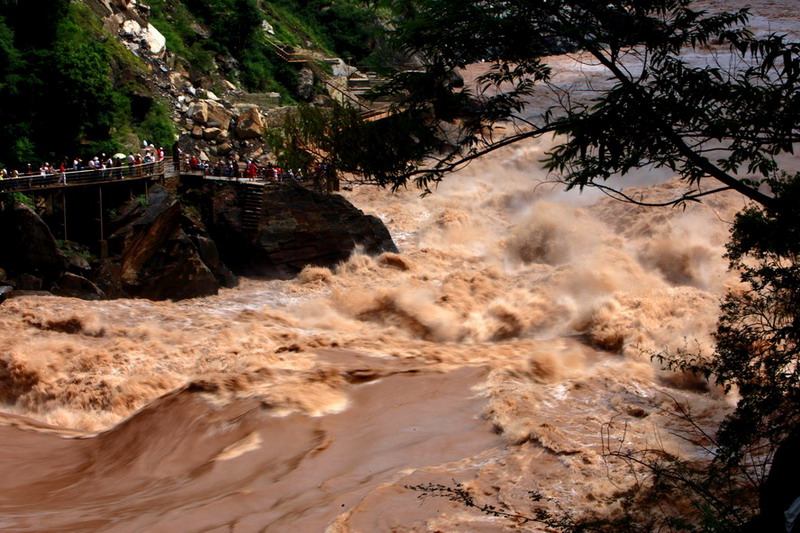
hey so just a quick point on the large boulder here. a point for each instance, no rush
(210, 113)
(250, 124)
(219, 116)
(158, 259)
(28, 247)
(77, 286)
(198, 112)
(298, 227)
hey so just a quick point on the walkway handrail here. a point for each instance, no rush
(56, 179)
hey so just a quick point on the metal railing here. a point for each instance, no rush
(28, 182)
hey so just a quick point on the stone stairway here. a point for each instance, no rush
(253, 207)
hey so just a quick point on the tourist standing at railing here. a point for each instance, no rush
(62, 177)
(131, 161)
(176, 155)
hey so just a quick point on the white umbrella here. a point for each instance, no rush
(119, 155)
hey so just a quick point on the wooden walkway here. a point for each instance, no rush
(37, 182)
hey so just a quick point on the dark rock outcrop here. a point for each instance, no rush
(77, 286)
(297, 227)
(28, 247)
(157, 259)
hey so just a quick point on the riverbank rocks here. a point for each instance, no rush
(76, 286)
(158, 254)
(295, 227)
(29, 250)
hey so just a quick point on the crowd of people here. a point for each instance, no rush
(248, 170)
(106, 166)
(133, 164)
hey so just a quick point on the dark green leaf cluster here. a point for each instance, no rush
(66, 87)
(339, 138)
(724, 113)
(758, 336)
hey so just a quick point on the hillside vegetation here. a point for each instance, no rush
(68, 85)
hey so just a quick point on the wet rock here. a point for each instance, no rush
(210, 255)
(28, 282)
(76, 286)
(78, 264)
(28, 246)
(297, 228)
(157, 258)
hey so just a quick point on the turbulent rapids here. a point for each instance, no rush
(505, 347)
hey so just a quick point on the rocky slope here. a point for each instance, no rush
(228, 121)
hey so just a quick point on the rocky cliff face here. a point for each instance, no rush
(158, 252)
(29, 249)
(162, 254)
(296, 227)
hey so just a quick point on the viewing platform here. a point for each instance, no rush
(75, 178)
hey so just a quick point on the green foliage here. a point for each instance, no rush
(339, 138)
(21, 198)
(78, 83)
(345, 28)
(758, 334)
(157, 126)
(700, 121)
(69, 248)
(234, 24)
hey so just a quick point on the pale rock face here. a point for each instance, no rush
(131, 28)
(211, 96)
(150, 35)
(218, 115)
(250, 124)
(209, 113)
(155, 40)
(198, 112)
(267, 27)
(305, 85)
(177, 78)
(211, 134)
(343, 70)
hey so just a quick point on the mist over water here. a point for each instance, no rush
(515, 326)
